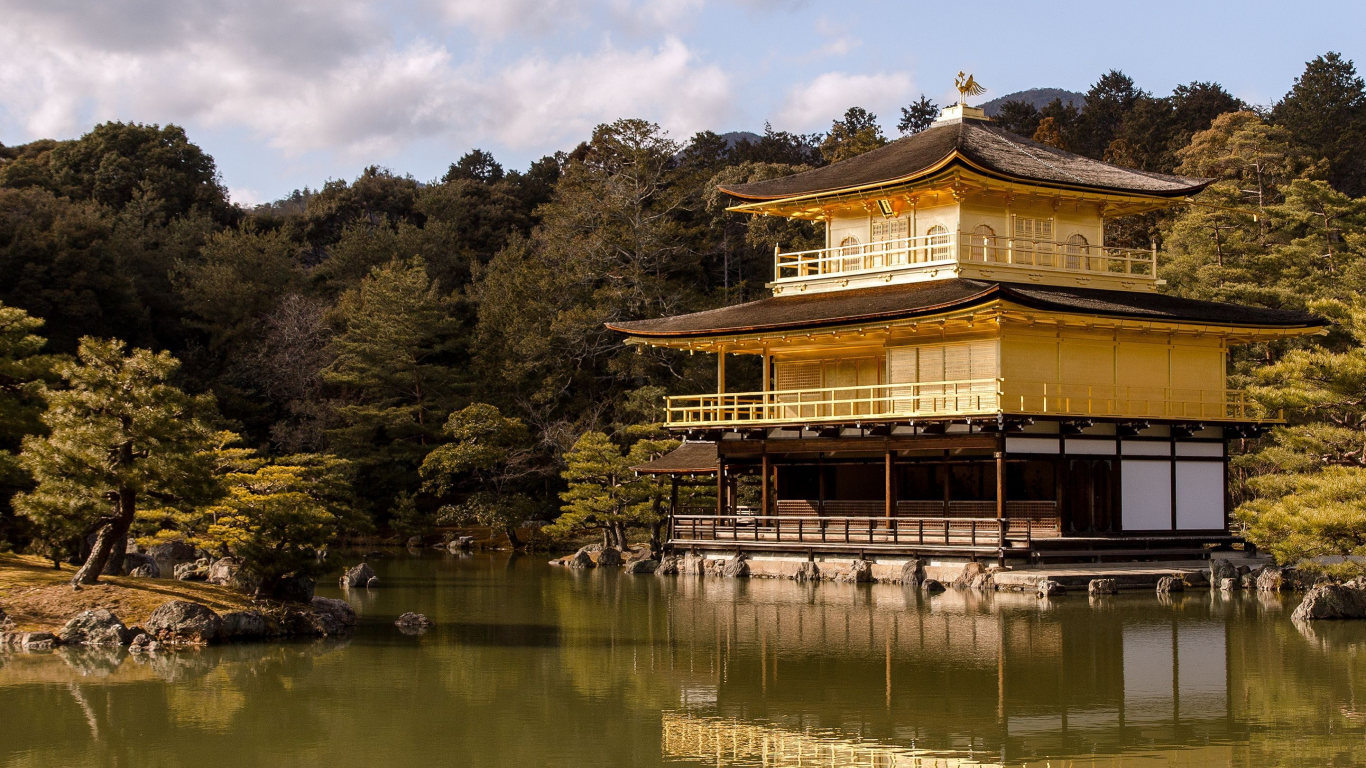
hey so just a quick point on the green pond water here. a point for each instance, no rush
(530, 665)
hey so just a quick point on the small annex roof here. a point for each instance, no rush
(976, 143)
(690, 458)
(897, 302)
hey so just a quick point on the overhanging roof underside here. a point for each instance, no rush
(690, 458)
(898, 302)
(980, 144)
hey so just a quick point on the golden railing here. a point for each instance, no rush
(969, 397)
(950, 247)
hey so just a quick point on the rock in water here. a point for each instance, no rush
(140, 565)
(413, 623)
(139, 644)
(180, 621)
(223, 570)
(970, 572)
(333, 617)
(736, 567)
(1333, 601)
(807, 571)
(693, 565)
(243, 625)
(580, 559)
(372, 583)
(292, 589)
(1102, 587)
(1049, 588)
(358, 576)
(97, 627)
(643, 566)
(1228, 585)
(1169, 584)
(932, 587)
(1220, 569)
(414, 542)
(1271, 580)
(668, 566)
(609, 557)
(858, 572)
(913, 572)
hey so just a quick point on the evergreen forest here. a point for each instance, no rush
(381, 356)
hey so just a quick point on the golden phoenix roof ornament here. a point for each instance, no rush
(967, 86)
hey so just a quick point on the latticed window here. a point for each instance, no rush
(850, 254)
(889, 237)
(983, 244)
(1076, 249)
(938, 239)
(1033, 239)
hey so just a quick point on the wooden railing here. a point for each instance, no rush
(952, 398)
(950, 247)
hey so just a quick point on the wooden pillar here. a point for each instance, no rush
(720, 487)
(890, 498)
(763, 484)
(820, 481)
(720, 370)
(1001, 501)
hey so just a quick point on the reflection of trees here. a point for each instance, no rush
(528, 667)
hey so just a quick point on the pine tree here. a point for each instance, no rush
(24, 372)
(120, 435)
(489, 454)
(918, 116)
(1326, 112)
(395, 374)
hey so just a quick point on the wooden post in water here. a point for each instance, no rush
(763, 483)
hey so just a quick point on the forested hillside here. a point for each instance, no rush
(397, 352)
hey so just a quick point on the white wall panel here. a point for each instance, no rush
(1146, 495)
(1199, 495)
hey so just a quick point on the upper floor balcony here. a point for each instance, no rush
(952, 399)
(964, 254)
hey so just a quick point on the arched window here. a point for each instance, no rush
(983, 244)
(1076, 248)
(851, 254)
(938, 240)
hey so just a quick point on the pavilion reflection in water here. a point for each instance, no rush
(966, 678)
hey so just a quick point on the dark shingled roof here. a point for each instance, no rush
(982, 144)
(896, 302)
(686, 459)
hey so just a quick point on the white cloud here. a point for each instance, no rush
(328, 77)
(815, 104)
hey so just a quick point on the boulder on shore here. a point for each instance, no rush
(333, 617)
(358, 576)
(223, 570)
(243, 625)
(1169, 584)
(1271, 580)
(965, 578)
(172, 550)
(580, 559)
(97, 627)
(642, 566)
(609, 557)
(29, 641)
(413, 623)
(196, 571)
(1333, 601)
(6, 623)
(293, 589)
(140, 565)
(1220, 569)
(668, 566)
(1228, 585)
(807, 571)
(181, 621)
(693, 565)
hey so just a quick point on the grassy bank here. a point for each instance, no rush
(40, 598)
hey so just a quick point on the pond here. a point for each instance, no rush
(532, 665)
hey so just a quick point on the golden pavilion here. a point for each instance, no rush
(965, 368)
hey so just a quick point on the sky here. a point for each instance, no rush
(291, 93)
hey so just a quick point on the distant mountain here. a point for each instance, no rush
(735, 137)
(1039, 97)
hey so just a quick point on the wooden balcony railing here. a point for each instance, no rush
(952, 398)
(949, 247)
